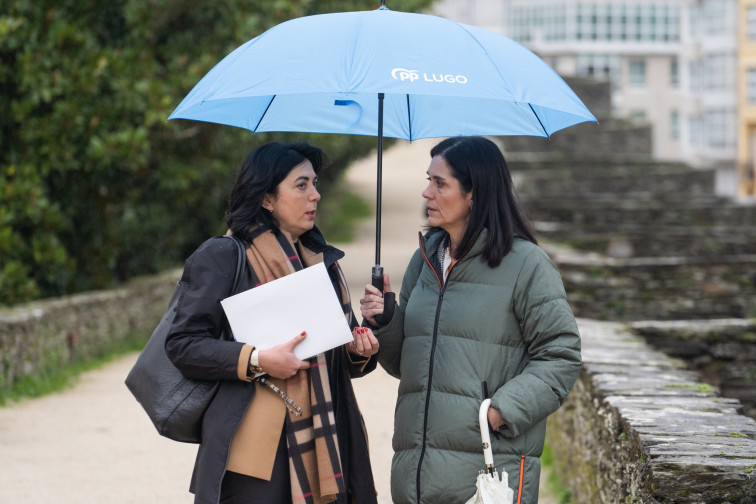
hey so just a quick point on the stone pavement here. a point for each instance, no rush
(94, 444)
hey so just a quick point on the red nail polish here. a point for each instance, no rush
(303, 333)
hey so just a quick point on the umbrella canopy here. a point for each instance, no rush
(489, 489)
(323, 74)
(384, 73)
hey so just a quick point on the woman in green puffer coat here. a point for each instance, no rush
(480, 303)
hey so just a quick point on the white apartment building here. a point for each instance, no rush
(672, 63)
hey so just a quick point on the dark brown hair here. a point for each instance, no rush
(479, 166)
(261, 173)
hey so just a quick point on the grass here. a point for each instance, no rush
(58, 378)
(553, 485)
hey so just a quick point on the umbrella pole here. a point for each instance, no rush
(377, 276)
(379, 191)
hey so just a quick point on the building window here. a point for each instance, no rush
(637, 73)
(715, 16)
(696, 129)
(719, 71)
(751, 23)
(601, 66)
(604, 67)
(696, 76)
(719, 128)
(751, 86)
(674, 73)
(637, 115)
(599, 21)
(674, 125)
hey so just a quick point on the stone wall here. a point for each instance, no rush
(650, 239)
(638, 427)
(610, 138)
(722, 351)
(654, 215)
(641, 240)
(593, 178)
(598, 94)
(50, 333)
(657, 288)
(616, 140)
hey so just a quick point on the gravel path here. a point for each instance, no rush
(94, 444)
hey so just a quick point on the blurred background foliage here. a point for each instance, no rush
(95, 185)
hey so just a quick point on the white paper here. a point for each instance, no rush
(277, 311)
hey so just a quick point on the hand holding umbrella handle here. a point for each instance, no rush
(485, 435)
(389, 298)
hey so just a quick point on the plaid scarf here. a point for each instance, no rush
(314, 459)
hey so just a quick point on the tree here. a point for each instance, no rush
(95, 185)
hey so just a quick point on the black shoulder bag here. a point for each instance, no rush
(175, 404)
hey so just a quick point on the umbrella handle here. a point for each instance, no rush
(389, 298)
(485, 436)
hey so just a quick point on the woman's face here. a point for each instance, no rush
(296, 200)
(448, 205)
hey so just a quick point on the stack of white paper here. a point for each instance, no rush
(277, 311)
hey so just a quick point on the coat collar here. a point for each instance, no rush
(432, 239)
(313, 243)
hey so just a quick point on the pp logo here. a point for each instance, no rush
(403, 74)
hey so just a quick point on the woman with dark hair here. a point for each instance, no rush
(481, 308)
(279, 429)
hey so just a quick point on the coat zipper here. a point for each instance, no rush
(442, 286)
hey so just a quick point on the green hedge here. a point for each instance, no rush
(95, 185)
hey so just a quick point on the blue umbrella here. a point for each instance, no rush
(384, 73)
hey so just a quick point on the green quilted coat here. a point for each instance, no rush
(509, 326)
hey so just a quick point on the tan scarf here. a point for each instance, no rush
(314, 459)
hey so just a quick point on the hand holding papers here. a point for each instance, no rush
(276, 311)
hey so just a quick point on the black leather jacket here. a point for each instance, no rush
(193, 345)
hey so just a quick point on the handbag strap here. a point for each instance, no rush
(241, 257)
(241, 262)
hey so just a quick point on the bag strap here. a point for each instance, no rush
(241, 263)
(241, 259)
